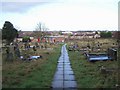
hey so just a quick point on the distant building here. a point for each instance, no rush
(24, 33)
(85, 34)
(53, 39)
(67, 33)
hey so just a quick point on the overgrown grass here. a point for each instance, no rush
(88, 74)
(105, 43)
(34, 74)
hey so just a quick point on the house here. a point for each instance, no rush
(24, 33)
(53, 39)
(85, 35)
(67, 33)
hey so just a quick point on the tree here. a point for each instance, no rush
(9, 33)
(60, 33)
(40, 31)
(105, 34)
(109, 34)
(0, 34)
(26, 39)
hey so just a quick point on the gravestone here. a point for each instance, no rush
(34, 48)
(17, 52)
(88, 45)
(9, 53)
(10, 56)
(36, 44)
(25, 46)
(112, 53)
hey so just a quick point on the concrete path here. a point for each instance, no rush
(64, 76)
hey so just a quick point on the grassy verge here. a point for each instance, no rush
(88, 74)
(34, 74)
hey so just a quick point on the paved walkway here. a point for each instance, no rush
(64, 76)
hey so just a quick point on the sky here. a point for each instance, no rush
(60, 15)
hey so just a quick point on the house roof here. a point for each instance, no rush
(25, 33)
(55, 36)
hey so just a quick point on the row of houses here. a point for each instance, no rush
(52, 36)
(60, 36)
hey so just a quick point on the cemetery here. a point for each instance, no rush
(95, 50)
(17, 71)
(60, 44)
(103, 72)
(64, 64)
(34, 56)
(27, 64)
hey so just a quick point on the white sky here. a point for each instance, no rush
(66, 15)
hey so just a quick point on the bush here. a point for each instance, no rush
(105, 34)
(26, 39)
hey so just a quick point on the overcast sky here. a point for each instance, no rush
(66, 15)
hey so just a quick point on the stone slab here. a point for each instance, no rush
(70, 84)
(67, 66)
(68, 69)
(59, 69)
(60, 72)
(57, 84)
(59, 66)
(68, 72)
(58, 77)
(69, 77)
(66, 62)
(62, 63)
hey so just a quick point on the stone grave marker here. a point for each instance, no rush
(112, 53)
(9, 53)
(17, 52)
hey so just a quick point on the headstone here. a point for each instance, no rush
(10, 56)
(9, 52)
(36, 44)
(112, 53)
(17, 52)
(88, 45)
(45, 44)
(25, 46)
(42, 46)
(34, 48)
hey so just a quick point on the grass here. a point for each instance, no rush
(39, 74)
(88, 74)
(34, 74)
(105, 43)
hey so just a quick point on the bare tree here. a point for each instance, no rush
(40, 31)
(37, 32)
